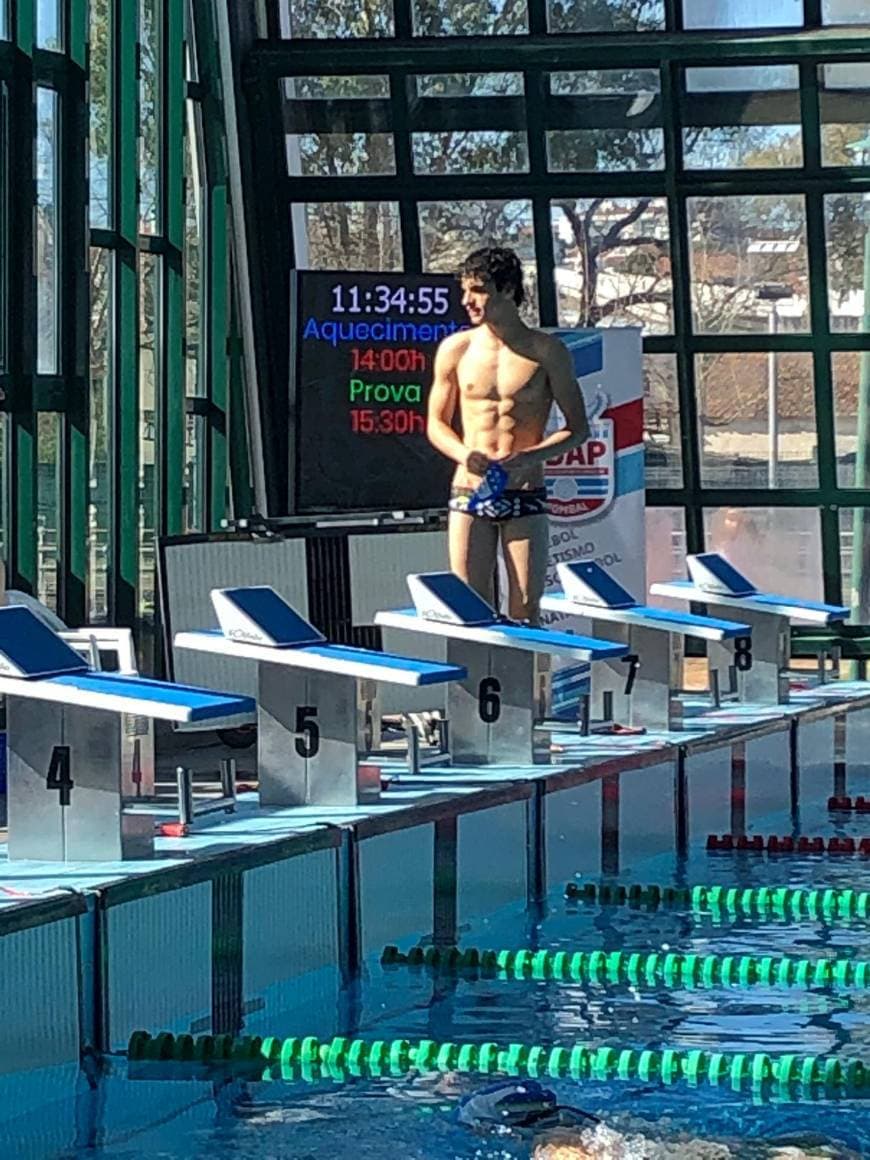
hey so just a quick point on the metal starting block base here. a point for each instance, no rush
(317, 703)
(762, 678)
(68, 785)
(646, 694)
(496, 712)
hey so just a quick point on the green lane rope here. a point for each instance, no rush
(640, 970)
(339, 1057)
(761, 901)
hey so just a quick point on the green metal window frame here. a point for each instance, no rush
(535, 55)
(66, 395)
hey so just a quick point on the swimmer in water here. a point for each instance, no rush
(503, 377)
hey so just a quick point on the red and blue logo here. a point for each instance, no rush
(581, 483)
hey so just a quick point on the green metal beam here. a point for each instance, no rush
(73, 306)
(21, 537)
(169, 459)
(123, 569)
(564, 51)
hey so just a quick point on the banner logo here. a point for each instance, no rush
(581, 484)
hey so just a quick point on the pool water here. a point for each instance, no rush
(416, 1115)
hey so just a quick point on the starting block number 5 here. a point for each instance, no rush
(307, 731)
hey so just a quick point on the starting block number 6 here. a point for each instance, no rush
(307, 731)
(489, 700)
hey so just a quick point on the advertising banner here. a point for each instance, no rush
(596, 491)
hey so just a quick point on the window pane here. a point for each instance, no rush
(193, 192)
(855, 561)
(847, 225)
(661, 421)
(616, 116)
(778, 548)
(347, 235)
(4, 19)
(844, 105)
(851, 380)
(149, 392)
(742, 118)
(471, 18)
(47, 234)
(665, 551)
(4, 223)
(450, 230)
(100, 86)
(605, 15)
(469, 85)
(49, 24)
(340, 154)
(48, 506)
(342, 18)
(194, 473)
(470, 151)
(747, 252)
(613, 262)
(757, 420)
(743, 13)
(4, 491)
(101, 441)
(149, 117)
(846, 11)
(327, 88)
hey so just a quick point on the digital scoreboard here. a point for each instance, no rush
(361, 367)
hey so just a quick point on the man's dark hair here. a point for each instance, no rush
(499, 265)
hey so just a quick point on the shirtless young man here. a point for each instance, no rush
(504, 376)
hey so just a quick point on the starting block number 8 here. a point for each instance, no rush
(489, 700)
(743, 653)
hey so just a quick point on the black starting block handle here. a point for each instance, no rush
(59, 775)
(633, 662)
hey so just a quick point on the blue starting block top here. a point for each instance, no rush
(259, 615)
(30, 650)
(36, 664)
(447, 606)
(714, 573)
(258, 624)
(592, 592)
(716, 581)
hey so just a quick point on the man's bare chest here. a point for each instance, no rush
(486, 376)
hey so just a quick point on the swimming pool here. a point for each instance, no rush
(417, 1114)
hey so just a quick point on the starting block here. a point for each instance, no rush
(494, 711)
(757, 672)
(653, 636)
(316, 703)
(64, 726)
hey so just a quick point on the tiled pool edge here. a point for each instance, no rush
(326, 900)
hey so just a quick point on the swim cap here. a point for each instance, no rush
(519, 1104)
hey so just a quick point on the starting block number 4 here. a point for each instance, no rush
(59, 774)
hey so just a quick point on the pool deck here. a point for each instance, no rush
(35, 891)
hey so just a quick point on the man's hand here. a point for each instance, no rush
(477, 463)
(518, 465)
